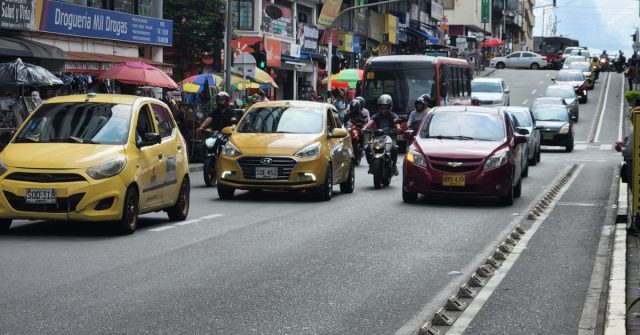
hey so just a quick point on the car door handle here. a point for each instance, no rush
(160, 155)
(179, 146)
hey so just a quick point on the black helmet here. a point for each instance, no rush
(385, 99)
(362, 101)
(355, 107)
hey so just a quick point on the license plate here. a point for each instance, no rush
(453, 180)
(40, 196)
(547, 136)
(266, 172)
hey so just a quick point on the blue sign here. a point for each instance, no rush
(66, 19)
(356, 44)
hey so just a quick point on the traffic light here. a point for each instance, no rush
(261, 60)
(335, 64)
(554, 3)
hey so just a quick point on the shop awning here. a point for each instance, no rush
(311, 55)
(96, 63)
(20, 47)
(422, 33)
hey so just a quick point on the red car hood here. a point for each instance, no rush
(457, 149)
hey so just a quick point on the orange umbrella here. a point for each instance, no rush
(139, 73)
(492, 42)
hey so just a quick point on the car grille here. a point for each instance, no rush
(442, 164)
(45, 177)
(284, 164)
(461, 189)
(62, 205)
(447, 168)
(463, 160)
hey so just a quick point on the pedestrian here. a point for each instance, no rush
(339, 102)
(630, 73)
(626, 148)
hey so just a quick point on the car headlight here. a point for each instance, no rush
(497, 160)
(210, 142)
(311, 151)
(564, 129)
(230, 150)
(107, 169)
(416, 158)
(3, 168)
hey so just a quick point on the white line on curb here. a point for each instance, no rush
(604, 108)
(474, 308)
(525, 101)
(620, 130)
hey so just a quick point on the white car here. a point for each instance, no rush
(490, 91)
(574, 51)
(520, 59)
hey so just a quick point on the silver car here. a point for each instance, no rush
(526, 126)
(569, 96)
(490, 91)
(520, 59)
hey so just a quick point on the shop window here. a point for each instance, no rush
(125, 6)
(448, 4)
(144, 7)
(75, 2)
(102, 4)
(243, 14)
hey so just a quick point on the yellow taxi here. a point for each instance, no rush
(287, 145)
(95, 157)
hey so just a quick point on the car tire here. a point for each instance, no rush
(535, 66)
(507, 199)
(517, 191)
(225, 192)
(4, 225)
(130, 210)
(180, 210)
(538, 154)
(349, 185)
(409, 197)
(569, 145)
(209, 172)
(500, 65)
(326, 191)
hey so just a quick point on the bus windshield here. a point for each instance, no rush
(404, 85)
(554, 45)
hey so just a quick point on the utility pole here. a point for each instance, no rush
(227, 47)
(543, 14)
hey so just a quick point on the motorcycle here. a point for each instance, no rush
(379, 157)
(213, 143)
(604, 64)
(357, 139)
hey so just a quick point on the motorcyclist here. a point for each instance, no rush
(221, 116)
(385, 119)
(416, 116)
(364, 110)
(355, 112)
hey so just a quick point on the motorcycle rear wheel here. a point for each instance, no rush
(209, 172)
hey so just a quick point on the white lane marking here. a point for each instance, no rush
(534, 91)
(616, 303)
(476, 305)
(621, 122)
(580, 142)
(541, 82)
(579, 204)
(606, 146)
(580, 147)
(525, 102)
(184, 223)
(210, 216)
(604, 108)
(162, 228)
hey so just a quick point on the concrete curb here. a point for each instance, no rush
(615, 319)
(490, 72)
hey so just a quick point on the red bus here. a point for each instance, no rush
(552, 47)
(406, 77)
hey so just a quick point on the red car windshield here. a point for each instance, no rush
(464, 126)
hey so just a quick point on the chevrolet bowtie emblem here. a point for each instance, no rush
(454, 164)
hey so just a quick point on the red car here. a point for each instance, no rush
(464, 150)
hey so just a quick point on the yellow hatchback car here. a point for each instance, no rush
(95, 157)
(287, 145)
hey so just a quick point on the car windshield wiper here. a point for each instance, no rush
(551, 120)
(458, 137)
(27, 139)
(284, 132)
(74, 139)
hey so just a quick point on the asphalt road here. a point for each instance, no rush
(281, 263)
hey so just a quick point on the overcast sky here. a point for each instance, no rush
(600, 24)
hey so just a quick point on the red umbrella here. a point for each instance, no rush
(492, 42)
(139, 73)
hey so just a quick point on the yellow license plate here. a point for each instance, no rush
(547, 136)
(453, 181)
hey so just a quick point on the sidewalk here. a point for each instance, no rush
(625, 263)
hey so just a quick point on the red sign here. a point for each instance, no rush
(335, 38)
(273, 49)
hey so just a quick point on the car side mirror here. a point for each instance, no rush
(520, 139)
(539, 128)
(523, 131)
(339, 133)
(227, 130)
(506, 90)
(150, 139)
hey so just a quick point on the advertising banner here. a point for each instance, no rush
(346, 42)
(18, 14)
(274, 52)
(356, 44)
(376, 26)
(391, 28)
(307, 37)
(67, 19)
(282, 26)
(330, 11)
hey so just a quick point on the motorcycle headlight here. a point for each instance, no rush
(311, 151)
(416, 158)
(107, 169)
(378, 143)
(3, 168)
(230, 150)
(497, 160)
(564, 129)
(210, 142)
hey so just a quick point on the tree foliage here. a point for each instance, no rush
(197, 26)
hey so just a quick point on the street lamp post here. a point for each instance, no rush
(330, 29)
(227, 47)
